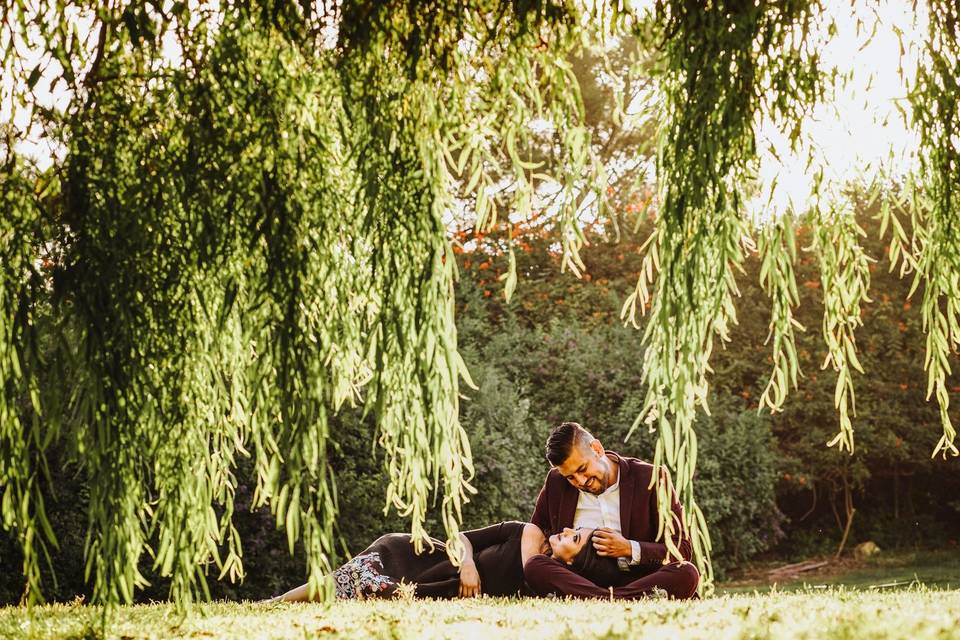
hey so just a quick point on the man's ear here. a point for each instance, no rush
(597, 447)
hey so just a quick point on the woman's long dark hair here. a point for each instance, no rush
(602, 571)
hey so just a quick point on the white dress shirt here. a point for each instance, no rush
(603, 510)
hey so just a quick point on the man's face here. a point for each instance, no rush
(586, 468)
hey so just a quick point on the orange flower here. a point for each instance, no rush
(812, 284)
(907, 305)
(903, 386)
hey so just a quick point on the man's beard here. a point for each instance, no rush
(594, 486)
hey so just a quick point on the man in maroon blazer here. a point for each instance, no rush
(590, 488)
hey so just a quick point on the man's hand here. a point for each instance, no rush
(469, 580)
(609, 543)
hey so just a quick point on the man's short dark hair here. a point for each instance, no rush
(562, 440)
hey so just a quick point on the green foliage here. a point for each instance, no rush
(900, 495)
(778, 253)
(707, 151)
(202, 318)
(24, 437)
(936, 116)
(845, 275)
(736, 480)
(412, 344)
(255, 237)
(555, 353)
(505, 442)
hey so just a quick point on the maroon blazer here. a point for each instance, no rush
(557, 504)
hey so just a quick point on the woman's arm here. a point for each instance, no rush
(532, 543)
(493, 534)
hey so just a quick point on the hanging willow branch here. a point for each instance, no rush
(501, 163)
(778, 251)
(24, 432)
(148, 396)
(845, 275)
(936, 117)
(411, 333)
(719, 63)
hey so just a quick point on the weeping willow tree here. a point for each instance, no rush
(248, 205)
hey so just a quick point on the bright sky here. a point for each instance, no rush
(858, 130)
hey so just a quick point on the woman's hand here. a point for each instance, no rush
(469, 579)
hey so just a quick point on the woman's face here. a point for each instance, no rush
(567, 544)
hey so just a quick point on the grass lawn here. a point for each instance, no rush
(835, 613)
(914, 596)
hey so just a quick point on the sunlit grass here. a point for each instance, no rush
(835, 613)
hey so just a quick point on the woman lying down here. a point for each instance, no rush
(493, 564)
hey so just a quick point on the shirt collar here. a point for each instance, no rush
(615, 486)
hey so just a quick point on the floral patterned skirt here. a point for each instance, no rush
(362, 578)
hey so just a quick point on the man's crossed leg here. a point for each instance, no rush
(547, 576)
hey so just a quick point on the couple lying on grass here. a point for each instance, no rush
(592, 535)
